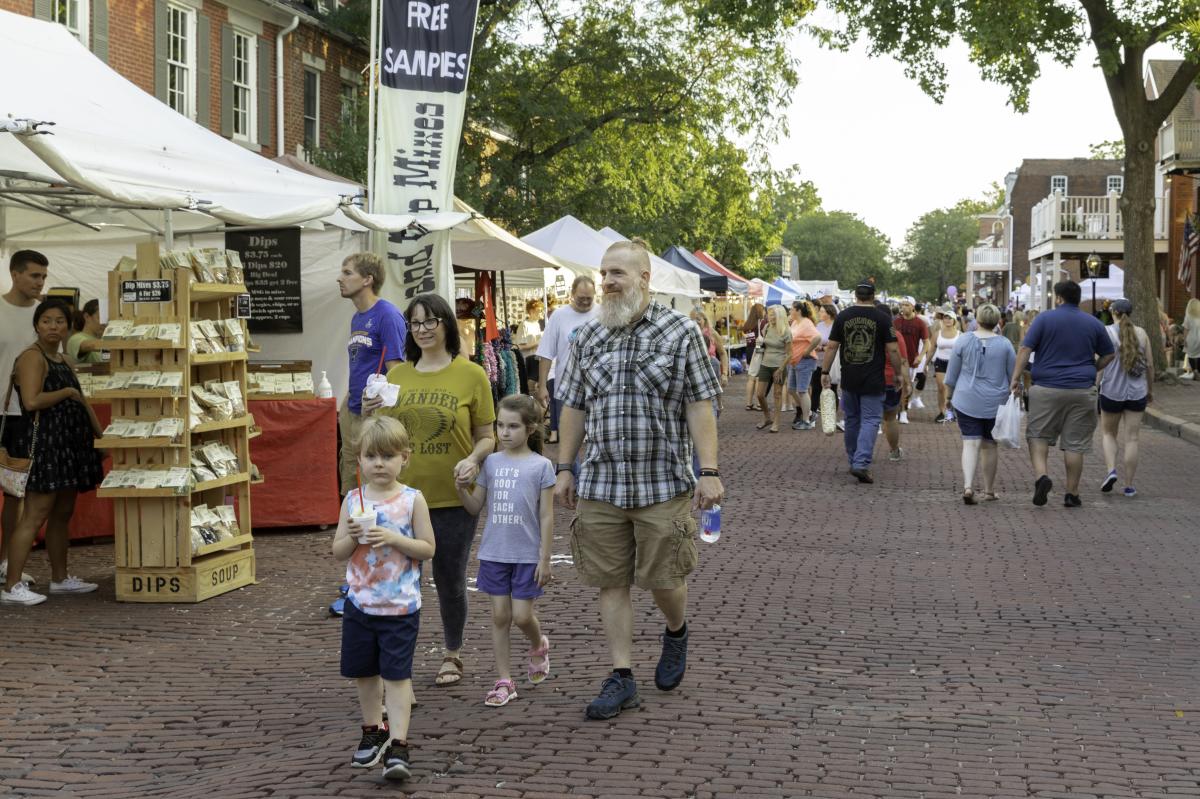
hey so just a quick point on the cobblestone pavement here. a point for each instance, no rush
(847, 641)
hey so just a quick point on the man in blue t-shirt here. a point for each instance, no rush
(1071, 347)
(377, 326)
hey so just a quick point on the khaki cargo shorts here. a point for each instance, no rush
(651, 547)
(349, 425)
(1069, 413)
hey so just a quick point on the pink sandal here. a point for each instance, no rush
(539, 662)
(501, 694)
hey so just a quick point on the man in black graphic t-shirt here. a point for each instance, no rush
(863, 337)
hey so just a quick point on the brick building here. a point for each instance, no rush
(216, 62)
(1178, 153)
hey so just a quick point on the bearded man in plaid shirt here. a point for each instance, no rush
(638, 381)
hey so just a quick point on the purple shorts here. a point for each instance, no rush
(508, 579)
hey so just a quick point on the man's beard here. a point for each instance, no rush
(619, 310)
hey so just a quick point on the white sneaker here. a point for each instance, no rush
(841, 426)
(903, 417)
(21, 595)
(916, 403)
(72, 585)
(25, 578)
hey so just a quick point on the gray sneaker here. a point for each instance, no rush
(617, 693)
(898, 455)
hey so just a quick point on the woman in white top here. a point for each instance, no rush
(1125, 390)
(527, 340)
(946, 332)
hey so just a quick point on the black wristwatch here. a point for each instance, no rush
(564, 467)
(709, 473)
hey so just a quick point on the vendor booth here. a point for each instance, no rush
(91, 169)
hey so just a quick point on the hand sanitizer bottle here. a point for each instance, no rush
(324, 390)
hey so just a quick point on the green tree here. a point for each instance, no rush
(838, 245)
(623, 114)
(1107, 149)
(1006, 46)
(934, 254)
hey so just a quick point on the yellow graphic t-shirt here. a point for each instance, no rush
(440, 409)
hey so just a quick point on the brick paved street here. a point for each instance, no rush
(847, 641)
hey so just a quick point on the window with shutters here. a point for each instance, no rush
(181, 60)
(245, 83)
(312, 113)
(1058, 183)
(349, 104)
(73, 15)
(1116, 183)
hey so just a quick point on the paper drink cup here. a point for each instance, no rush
(363, 522)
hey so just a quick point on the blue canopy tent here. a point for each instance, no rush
(710, 279)
(773, 295)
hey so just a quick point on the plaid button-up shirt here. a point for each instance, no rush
(634, 385)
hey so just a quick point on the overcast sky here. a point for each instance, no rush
(875, 145)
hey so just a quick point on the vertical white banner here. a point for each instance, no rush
(424, 62)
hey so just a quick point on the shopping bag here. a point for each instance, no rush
(1007, 431)
(828, 412)
(755, 362)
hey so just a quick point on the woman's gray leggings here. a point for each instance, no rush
(453, 532)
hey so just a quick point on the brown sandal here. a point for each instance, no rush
(449, 676)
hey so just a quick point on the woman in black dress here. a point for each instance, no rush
(58, 426)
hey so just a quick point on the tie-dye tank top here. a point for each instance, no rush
(384, 581)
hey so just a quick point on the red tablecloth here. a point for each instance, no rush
(296, 453)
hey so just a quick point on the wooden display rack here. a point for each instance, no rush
(154, 557)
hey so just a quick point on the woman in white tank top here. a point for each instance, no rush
(946, 332)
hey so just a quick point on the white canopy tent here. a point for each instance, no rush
(573, 240)
(112, 166)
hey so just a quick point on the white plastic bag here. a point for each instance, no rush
(1007, 431)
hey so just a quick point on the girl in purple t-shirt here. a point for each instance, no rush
(517, 485)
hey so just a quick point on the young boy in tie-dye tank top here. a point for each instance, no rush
(383, 550)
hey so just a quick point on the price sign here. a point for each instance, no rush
(271, 259)
(243, 306)
(560, 286)
(146, 290)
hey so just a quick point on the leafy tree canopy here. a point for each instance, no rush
(624, 114)
(838, 245)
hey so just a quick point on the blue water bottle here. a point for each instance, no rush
(710, 524)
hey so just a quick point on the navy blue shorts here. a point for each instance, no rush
(378, 646)
(972, 427)
(1119, 406)
(508, 579)
(891, 398)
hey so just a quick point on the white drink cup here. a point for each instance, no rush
(362, 522)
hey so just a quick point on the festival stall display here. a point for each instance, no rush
(280, 380)
(179, 430)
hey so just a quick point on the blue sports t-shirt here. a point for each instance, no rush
(1066, 341)
(381, 325)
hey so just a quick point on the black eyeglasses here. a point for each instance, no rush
(427, 324)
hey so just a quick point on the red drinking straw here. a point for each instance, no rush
(382, 355)
(362, 508)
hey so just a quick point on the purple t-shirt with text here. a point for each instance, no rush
(381, 325)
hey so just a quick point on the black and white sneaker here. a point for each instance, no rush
(395, 762)
(371, 747)
(1109, 481)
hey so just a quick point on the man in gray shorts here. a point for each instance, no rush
(1072, 347)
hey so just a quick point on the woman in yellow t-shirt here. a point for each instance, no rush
(446, 404)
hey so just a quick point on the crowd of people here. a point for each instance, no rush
(631, 390)
(1070, 371)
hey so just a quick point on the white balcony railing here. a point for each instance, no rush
(1072, 216)
(1181, 141)
(988, 259)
